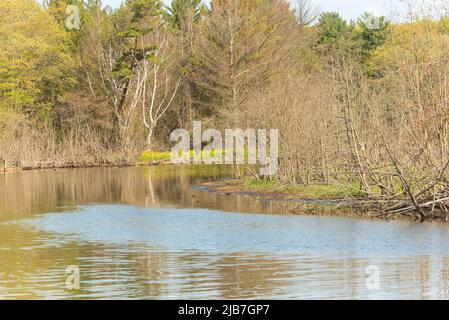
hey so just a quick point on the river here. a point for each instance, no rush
(155, 233)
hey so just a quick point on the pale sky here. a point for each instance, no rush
(350, 9)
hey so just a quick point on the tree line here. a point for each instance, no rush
(361, 102)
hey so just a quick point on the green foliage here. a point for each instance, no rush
(337, 39)
(424, 41)
(226, 56)
(332, 28)
(149, 156)
(357, 41)
(316, 191)
(35, 61)
(131, 33)
(143, 9)
(143, 19)
(57, 8)
(443, 25)
(373, 32)
(180, 9)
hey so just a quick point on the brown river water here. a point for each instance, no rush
(154, 233)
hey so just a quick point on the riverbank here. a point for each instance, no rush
(147, 158)
(341, 198)
(71, 165)
(344, 200)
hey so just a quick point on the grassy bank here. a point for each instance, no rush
(348, 196)
(164, 156)
(288, 191)
(154, 156)
(300, 190)
(145, 158)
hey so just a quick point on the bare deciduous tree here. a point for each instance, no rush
(159, 87)
(240, 43)
(306, 13)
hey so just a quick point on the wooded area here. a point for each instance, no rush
(362, 103)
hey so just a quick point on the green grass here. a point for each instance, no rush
(316, 191)
(149, 156)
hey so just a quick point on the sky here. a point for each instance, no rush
(349, 9)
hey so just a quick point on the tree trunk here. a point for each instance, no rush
(150, 138)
